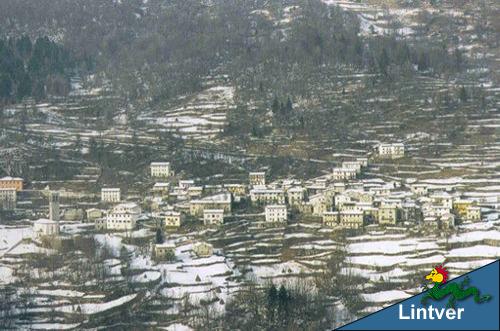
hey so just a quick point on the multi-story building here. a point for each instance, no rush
(351, 219)
(473, 214)
(93, 214)
(123, 216)
(213, 216)
(218, 201)
(393, 151)
(109, 194)
(165, 251)
(295, 195)
(461, 206)
(387, 214)
(343, 173)
(11, 182)
(195, 191)
(237, 190)
(353, 165)
(171, 218)
(276, 213)
(8, 198)
(320, 204)
(267, 195)
(161, 189)
(45, 228)
(442, 198)
(160, 169)
(331, 218)
(419, 189)
(257, 178)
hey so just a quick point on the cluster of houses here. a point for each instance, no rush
(340, 199)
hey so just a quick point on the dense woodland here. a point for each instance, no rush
(157, 52)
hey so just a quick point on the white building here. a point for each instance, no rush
(213, 216)
(161, 189)
(109, 194)
(331, 218)
(8, 198)
(351, 219)
(265, 195)
(343, 173)
(123, 216)
(160, 169)
(276, 213)
(419, 189)
(353, 165)
(392, 151)
(46, 228)
(185, 184)
(257, 178)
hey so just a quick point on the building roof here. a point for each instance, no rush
(11, 178)
(276, 206)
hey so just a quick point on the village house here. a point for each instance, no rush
(331, 218)
(123, 216)
(473, 214)
(110, 194)
(160, 169)
(379, 191)
(351, 219)
(319, 204)
(93, 214)
(171, 218)
(295, 195)
(218, 201)
(213, 216)
(100, 224)
(161, 189)
(165, 251)
(446, 221)
(360, 196)
(339, 187)
(203, 249)
(443, 199)
(343, 174)
(340, 199)
(267, 195)
(276, 213)
(410, 212)
(393, 151)
(237, 190)
(460, 207)
(419, 189)
(349, 206)
(363, 161)
(195, 191)
(8, 198)
(257, 178)
(11, 182)
(185, 184)
(353, 165)
(45, 228)
(387, 214)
